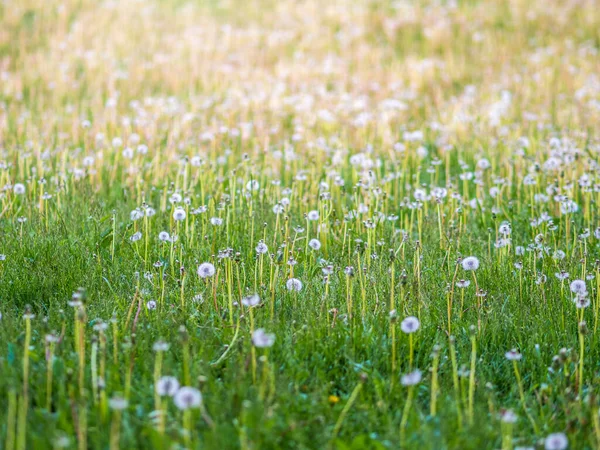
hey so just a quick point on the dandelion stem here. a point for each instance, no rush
(522, 396)
(344, 413)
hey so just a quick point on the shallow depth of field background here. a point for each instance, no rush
(261, 198)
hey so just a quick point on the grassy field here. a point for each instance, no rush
(299, 224)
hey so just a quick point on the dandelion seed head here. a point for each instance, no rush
(187, 398)
(294, 284)
(179, 214)
(251, 300)
(167, 386)
(556, 441)
(206, 270)
(513, 355)
(253, 185)
(19, 188)
(410, 325)
(160, 346)
(261, 248)
(578, 287)
(463, 283)
(508, 416)
(411, 379)
(315, 244)
(470, 263)
(117, 403)
(262, 339)
(313, 215)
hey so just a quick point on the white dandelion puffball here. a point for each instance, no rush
(167, 386)
(556, 441)
(253, 185)
(262, 339)
(509, 416)
(463, 283)
(206, 270)
(19, 188)
(117, 403)
(136, 214)
(161, 346)
(470, 263)
(261, 248)
(313, 215)
(412, 378)
(251, 300)
(578, 287)
(315, 244)
(410, 325)
(187, 398)
(179, 214)
(294, 284)
(513, 355)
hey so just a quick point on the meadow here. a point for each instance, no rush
(299, 224)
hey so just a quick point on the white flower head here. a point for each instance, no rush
(167, 386)
(582, 301)
(513, 355)
(206, 270)
(578, 287)
(19, 188)
(315, 244)
(410, 325)
(160, 346)
(261, 248)
(556, 441)
(136, 236)
(294, 284)
(251, 300)
(463, 283)
(187, 398)
(470, 263)
(136, 214)
(412, 378)
(253, 185)
(261, 339)
(508, 416)
(117, 403)
(504, 228)
(179, 214)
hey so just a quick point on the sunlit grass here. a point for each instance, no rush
(348, 224)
